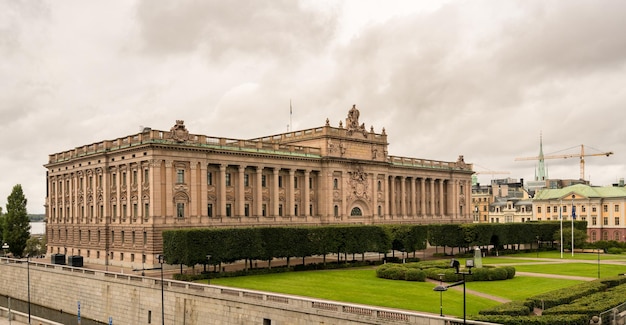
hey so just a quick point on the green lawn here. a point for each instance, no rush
(575, 269)
(568, 255)
(520, 287)
(363, 287)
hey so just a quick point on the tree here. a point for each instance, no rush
(36, 246)
(16, 223)
(1, 227)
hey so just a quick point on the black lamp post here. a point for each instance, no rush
(5, 247)
(28, 281)
(161, 259)
(208, 258)
(441, 289)
(469, 264)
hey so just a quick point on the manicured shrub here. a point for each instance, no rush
(535, 320)
(415, 275)
(513, 308)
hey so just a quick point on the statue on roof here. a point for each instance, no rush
(352, 122)
(179, 132)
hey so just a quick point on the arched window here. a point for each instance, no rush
(356, 211)
(616, 235)
(380, 211)
(335, 184)
(593, 236)
(336, 211)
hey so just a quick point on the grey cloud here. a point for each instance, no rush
(272, 29)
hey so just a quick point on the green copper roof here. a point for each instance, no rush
(581, 190)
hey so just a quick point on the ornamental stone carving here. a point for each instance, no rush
(352, 122)
(179, 132)
(358, 183)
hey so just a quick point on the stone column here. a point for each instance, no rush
(275, 199)
(431, 206)
(386, 195)
(423, 197)
(392, 195)
(194, 209)
(168, 191)
(291, 194)
(221, 199)
(240, 191)
(258, 195)
(403, 196)
(203, 188)
(413, 198)
(306, 192)
(441, 198)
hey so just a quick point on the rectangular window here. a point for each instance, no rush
(180, 176)
(123, 179)
(538, 209)
(246, 210)
(310, 183)
(280, 181)
(132, 257)
(133, 238)
(295, 210)
(146, 210)
(180, 210)
(564, 209)
(135, 210)
(606, 208)
(548, 210)
(123, 239)
(209, 178)
(121, 256)
(145, 238)
(263, 181)
(605, 221)
(264, 208)
(246, 180)
(209, 209)
(227, 179)
(617, 221)
(295, 182)
(616, 208)
(113, 236)
(593, 209)
(229, 210)
(134, 177)
(311, 209)
(583, 208)
(594, 221)
(145, 176)
(280, 210)
(114, 211)
(124, 214)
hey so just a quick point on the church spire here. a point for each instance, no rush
(540, 175)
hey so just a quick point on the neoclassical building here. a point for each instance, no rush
(109, 201)
(602, 207)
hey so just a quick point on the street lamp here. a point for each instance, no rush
(28, 281)
(5, 247)
(161, 259)
(208, 258)
(537, 246)
(469, 264)
(441, 289)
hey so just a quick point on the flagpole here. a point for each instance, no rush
(561, 218)
(573, 216)
(290, 113)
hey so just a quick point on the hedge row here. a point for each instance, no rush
(441, 271)
(592, 304)
(535, 320)
(566, 295)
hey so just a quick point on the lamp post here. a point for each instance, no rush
(561, 220)
(28, 283)
(537, 246)
(208, 258)
(469, 264)
(598, 251)
(5, 247)
(440, 293)
(161, 259)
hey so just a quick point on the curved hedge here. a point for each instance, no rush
(441, 270)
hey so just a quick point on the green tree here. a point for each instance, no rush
(1, 227)
(580, 237)
(17, 226)
(35, 246)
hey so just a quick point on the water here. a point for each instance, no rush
(38, 228)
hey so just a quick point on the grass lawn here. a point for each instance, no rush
(575, 269)
(568, 256)
(520, 287)
(363, 287)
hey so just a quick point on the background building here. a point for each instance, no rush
(602, 208)
(109, 201)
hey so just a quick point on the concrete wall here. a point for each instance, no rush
(130, 299)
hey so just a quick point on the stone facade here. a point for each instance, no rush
(109, 201)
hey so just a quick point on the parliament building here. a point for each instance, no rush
(109, 201)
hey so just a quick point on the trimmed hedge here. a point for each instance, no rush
(592, 304)
(566, 295)
(535, 320)
(432, 270)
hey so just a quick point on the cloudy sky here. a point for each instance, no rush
(479, 78)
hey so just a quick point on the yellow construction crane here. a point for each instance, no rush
(488, 171)
(582, 156)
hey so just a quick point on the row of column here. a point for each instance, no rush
(436, 197)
